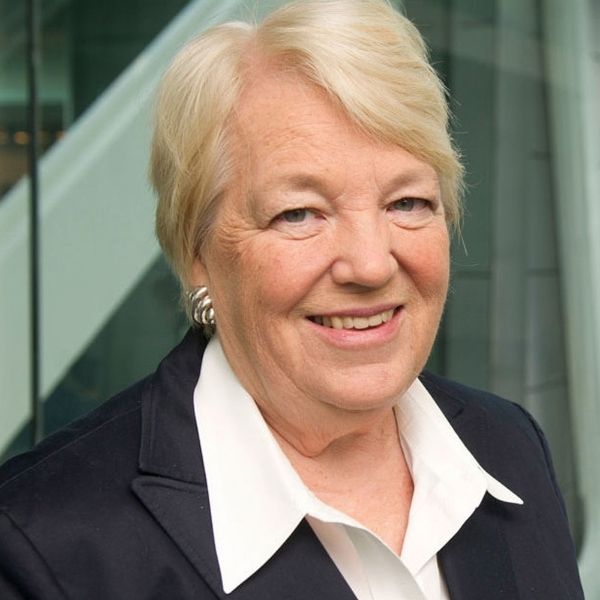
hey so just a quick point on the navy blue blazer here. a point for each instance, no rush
(115, 506)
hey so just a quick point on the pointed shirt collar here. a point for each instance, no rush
(257, 499)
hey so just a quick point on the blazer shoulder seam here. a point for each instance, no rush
(69, 444)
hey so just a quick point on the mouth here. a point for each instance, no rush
(350, 322)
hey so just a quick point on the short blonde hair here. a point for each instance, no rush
(370, 59)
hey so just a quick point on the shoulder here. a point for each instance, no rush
(465, 395)
(77, 453)
(70, 488)
(501, 415)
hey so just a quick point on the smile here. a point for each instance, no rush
(351, 322)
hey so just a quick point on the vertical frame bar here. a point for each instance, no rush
(33, 66)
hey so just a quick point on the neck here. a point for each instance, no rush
(360, 471)
(350, 438)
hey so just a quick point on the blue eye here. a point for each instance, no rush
(298, 223)
(409, 204)
(296, 215)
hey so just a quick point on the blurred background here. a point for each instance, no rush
(87, 305)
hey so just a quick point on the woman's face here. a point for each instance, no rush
(328, 261)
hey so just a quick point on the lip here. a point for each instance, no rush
(359, 312)
(354, 339)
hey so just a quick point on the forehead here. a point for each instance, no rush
(279, 107)
(284, 125)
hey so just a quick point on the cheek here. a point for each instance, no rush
(284, 274)
(429, 265)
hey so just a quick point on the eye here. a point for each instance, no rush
(410, 204)
(295, 215)
(412, 212)
(298, 223)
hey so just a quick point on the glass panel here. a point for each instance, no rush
(13, 94)
(503, 327)
(85, 45)
(144, 328)
(140, 333)
(13, 165)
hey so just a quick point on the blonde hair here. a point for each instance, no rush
(370, 59)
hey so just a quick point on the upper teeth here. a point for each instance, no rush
(345, 322)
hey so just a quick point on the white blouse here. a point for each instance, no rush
(257, 499)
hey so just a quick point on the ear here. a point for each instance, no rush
(199, 273)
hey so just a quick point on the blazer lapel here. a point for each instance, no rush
(182, 511)
(172, 486)
(476, 562)
(301, 569)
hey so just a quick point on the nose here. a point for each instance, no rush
(363, 252)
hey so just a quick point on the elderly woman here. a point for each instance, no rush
(307, 185)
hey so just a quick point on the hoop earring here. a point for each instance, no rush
(203, 313)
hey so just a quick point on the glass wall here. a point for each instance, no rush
(504, 328)
(85, 45)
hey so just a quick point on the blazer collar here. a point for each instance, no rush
(169, 440)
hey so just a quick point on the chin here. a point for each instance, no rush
(361, 398)
(368, 378)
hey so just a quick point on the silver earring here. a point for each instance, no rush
(203, 312)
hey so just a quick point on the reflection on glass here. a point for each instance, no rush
(85, 45)
(130, 345)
